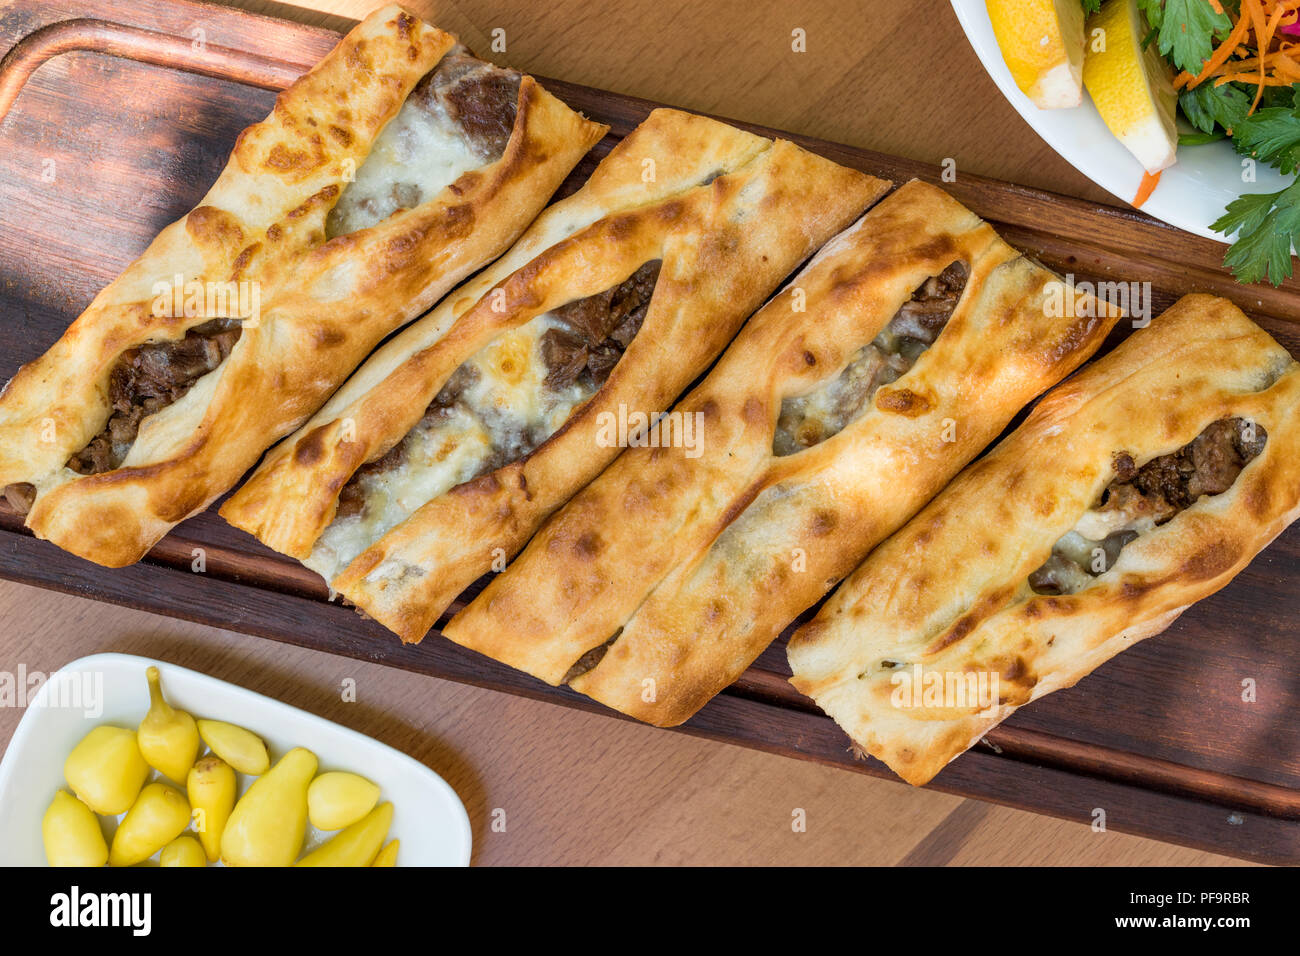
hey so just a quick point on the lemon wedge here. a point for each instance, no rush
(1132, 88)
(1042, 44)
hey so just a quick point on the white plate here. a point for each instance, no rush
(1192, 193)
(428, 817)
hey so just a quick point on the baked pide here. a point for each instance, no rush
(896, 355)
(394, 169)
(1138, 487)
(446, 450)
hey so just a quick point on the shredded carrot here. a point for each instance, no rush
(1284, 64)
(1145, 189)
(1218, 57)
(1253, 52)
(1251, 77)
(1264, 42)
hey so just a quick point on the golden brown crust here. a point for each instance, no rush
(949, 592)
(323, 304)
(728, 214)
(697, 564)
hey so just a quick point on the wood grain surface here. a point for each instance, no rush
(580, 787)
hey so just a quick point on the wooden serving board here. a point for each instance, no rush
(116, 117)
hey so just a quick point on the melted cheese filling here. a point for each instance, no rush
(418, 154)
(506, 412)
(809, 419)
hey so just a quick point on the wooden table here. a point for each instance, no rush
(578, 788)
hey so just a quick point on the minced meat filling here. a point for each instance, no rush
(147, 379)
(457, 118)
(1140, 499)
(810, 419)
(481, 98)
(595, 331)
(21, 495)
(583, 342)
(588, 661)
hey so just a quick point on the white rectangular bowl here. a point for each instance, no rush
(428, 817)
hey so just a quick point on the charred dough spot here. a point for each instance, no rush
(327, 338)
(311, 447)
(1211, 562)
(213, 226)
(243, 259)
(902, 401)
(1076, 337)
(1016, 670)
(283, 158)
(588, 546)
(671, 210)
(959, 630)
(823, 523)
(1259, 499)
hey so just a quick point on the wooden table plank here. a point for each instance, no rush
(581, 788)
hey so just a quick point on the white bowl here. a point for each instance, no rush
(428, 817)
(1191, 194)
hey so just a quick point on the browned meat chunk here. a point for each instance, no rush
(1066, 573)
(480, 98)
(1059, 575)
(149, 378)
(1208, 465)
(927, 312)
(596, 330)
(21, 496)
(589, 660)
(351, 499)
(565, 355)
(1159, 490)
(465, 377)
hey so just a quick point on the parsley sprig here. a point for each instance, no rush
(1208, 106)
(1186, 30)
(1271, 135)
(1267, 227)
(1267, 224)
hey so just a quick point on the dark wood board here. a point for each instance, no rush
(137, 119)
